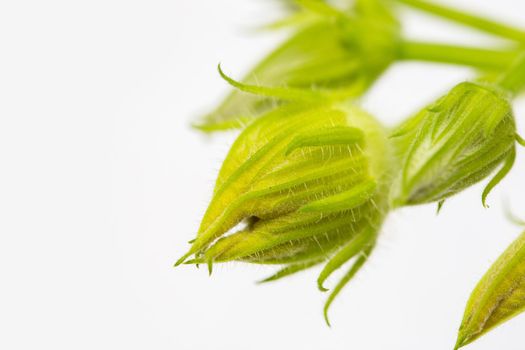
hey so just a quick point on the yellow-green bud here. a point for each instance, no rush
(454, 143)
(310, 184)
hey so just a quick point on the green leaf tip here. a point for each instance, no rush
(290, 270)
(460, 342)
(440, 206)
(321, 287)
(499, 295)
(358, 244)
(500, 175)
(356, 266)
(183, 259)
(325, 315)
(210, 267)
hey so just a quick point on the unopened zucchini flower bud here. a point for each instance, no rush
(334, 51)
(302, 185)
(454, 143)
(459, 140)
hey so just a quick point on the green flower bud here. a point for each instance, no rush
(340, 52)
(454, 143)
(498, 297)
(309, 182)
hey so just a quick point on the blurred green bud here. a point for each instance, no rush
(334, 51)
(307, 184)
(454, 143)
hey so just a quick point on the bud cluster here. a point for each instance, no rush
(312, 176)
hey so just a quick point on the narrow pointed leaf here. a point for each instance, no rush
(499, 296)
(356, 266)
(290, 270)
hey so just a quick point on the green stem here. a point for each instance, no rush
(513, 80)
(470, 20)
(452, 54)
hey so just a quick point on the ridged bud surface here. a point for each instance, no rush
(454, 143)
(300, 186)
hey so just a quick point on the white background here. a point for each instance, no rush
(102, 182)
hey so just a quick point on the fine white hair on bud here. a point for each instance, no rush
(311, 177)
(454, 143)
(311, 184)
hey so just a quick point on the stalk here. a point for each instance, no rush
(513, 80)
(453, 54)
(474, 21)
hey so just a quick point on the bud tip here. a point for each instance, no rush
(320, 286)
(182, 259)
(325, 312)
